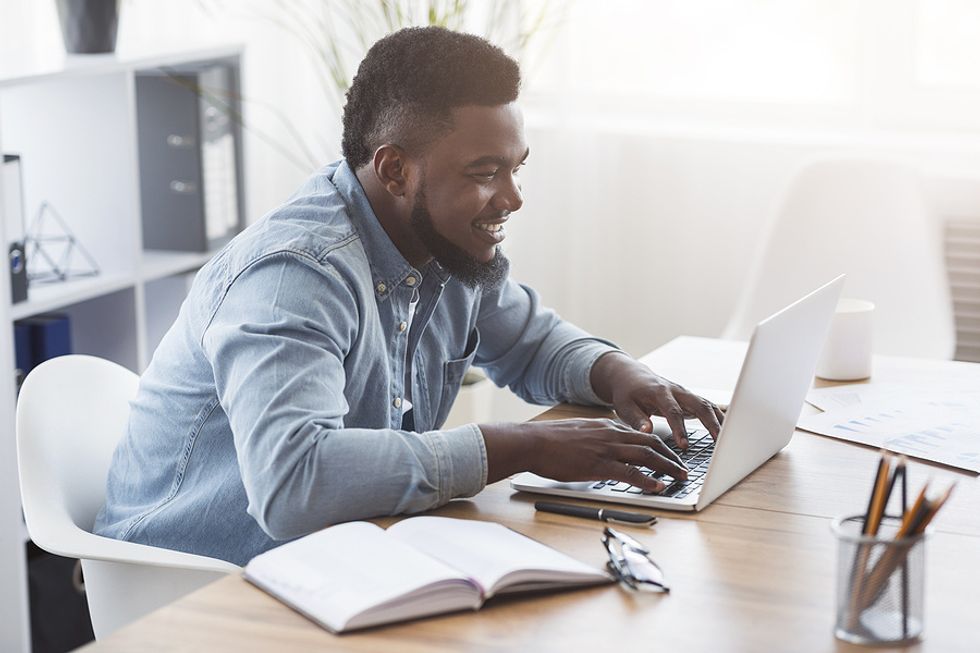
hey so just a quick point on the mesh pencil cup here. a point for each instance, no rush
(880, 583)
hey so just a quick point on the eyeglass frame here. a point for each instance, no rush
(620, 567)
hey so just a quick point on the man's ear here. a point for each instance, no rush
(391, 167)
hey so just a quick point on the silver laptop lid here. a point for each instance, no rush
(778, 368)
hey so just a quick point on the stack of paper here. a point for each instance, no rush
(940, 424)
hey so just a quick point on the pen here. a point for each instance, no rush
(899, 470)
(602, 514)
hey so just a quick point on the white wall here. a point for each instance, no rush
(647, 232)
(652, 170)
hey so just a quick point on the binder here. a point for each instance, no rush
(190, 156)
(50, 336)
(23, 358)
(39, 338)
(13, 214)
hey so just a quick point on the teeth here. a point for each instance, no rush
(492, 228)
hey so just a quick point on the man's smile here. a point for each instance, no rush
(492, 232)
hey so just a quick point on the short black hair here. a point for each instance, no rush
(410, 80)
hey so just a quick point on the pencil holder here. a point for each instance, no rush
(880, 583)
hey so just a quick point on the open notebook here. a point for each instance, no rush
(357, 575)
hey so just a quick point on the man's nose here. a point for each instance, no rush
(510, 198)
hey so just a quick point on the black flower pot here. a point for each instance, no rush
(89, 26)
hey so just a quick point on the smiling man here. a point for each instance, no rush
(309, 372)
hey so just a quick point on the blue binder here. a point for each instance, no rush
(39, 338)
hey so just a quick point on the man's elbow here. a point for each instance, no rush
(282, 515)
(278, 524)
(285, 516)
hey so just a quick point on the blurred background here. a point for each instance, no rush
(663, 133)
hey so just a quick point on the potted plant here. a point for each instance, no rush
(88, 26)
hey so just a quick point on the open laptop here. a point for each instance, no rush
(765, 405)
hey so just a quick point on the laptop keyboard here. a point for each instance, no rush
(700, 446)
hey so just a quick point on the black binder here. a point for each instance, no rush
(190, 156)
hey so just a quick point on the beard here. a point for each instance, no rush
(470, 271)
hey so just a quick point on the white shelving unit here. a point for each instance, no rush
(73, 122)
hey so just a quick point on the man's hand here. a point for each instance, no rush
(636, 393)
(579, 450)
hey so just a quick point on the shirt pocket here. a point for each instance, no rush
(452, 376)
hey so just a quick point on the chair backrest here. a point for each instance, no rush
(71, 413)
(867, 219)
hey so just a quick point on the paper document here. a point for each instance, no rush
(943, 426)
(895, 394)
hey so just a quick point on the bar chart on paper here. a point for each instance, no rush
(943, 428)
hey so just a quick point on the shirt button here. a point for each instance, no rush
(381, 288)
(397, 402)
(402, 326)
(411, 280)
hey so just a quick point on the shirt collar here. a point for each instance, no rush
(388, 267)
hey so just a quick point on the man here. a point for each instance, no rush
(316, 356)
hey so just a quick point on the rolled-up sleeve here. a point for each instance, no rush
(277, 344)
(535, 353)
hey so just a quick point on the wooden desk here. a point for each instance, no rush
(753, 572)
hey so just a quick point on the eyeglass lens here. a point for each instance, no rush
(630, 562)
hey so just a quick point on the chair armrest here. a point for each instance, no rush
(74, 542)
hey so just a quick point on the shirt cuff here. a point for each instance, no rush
(462, 461)
(578, 373)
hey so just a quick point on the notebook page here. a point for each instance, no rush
(490, 553)
(338, 573)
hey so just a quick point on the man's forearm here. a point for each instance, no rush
(514, 448)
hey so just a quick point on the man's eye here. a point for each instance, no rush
(484, 175)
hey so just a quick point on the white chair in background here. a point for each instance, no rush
(867, 219)
(71, 413)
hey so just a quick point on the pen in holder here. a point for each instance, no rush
(880, 583)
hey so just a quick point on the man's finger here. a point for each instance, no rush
(720, 414)
(675, 419)
(635, 417)
(704, 410)
(647, 457)
(621, 471)
(654, 442)
(651, 441)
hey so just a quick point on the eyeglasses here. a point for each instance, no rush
(630, 563)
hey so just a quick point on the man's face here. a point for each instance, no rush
(469, 189)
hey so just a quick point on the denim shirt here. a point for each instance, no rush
(273, 405)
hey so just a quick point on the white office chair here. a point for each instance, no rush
(71, 412)
(867, 219)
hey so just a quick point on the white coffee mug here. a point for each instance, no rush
(846, 354)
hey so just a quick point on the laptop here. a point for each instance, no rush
(760, 420)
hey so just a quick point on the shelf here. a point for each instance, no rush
(17, 70)
(157, 264)
(43, 298)
(73, 119)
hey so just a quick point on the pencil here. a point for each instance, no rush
(879, 498)
(909, 514)
(933, 509)
(882, 467)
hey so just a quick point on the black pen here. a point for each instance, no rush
(602, 514)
